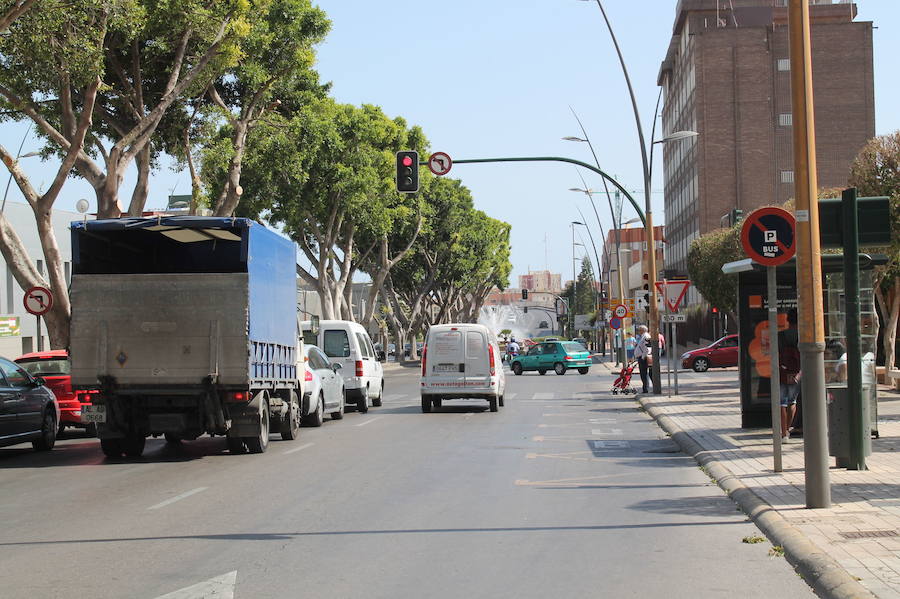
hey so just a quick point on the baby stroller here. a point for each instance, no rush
(622, 384)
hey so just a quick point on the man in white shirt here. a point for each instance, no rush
(642, 353)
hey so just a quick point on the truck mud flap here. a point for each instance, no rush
(245, 420)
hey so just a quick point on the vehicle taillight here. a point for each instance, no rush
(238, 396)
(491, 359)
(424, 353)
(568, 357)
(359, 368)
(308, 376)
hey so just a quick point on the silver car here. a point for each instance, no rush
(324, 387)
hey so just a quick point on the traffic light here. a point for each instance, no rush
(715, 310)
(647, 292)
(407, 172)
(524, 294)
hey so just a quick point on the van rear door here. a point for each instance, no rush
(478, 370)
(446, 361)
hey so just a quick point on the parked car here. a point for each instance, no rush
(721, 354)
(28, 408)
(324, 388)
(55, 368)
(558, 356)
(348, 344)
(461, 361)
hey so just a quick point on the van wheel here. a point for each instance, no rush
(48, 431)
(376, 402)
(235, 445)
(362, 403)
(501, 401)
(517, 368)
(542, 372)
(133, 445)
(426, 404)
(559, 368)
(436, 403)
(492, 403)
(582, 371)
(112, 448)
(290, 424)
(260, 443)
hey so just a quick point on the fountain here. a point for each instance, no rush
(498, 318)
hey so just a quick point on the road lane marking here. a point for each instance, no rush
(543, 396)
(613, 431)
(572, 481)
(221, 587)
(569, 455)
(370, 421)
(301, 448)
(172, 500)
(509, 395)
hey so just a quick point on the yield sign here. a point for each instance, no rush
(673, 292)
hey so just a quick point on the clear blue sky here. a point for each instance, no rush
(496, 78)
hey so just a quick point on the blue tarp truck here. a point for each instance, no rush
(186, 325)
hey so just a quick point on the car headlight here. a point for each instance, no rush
(685, 356)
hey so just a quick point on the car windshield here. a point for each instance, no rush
(572, 347)
(52, 367)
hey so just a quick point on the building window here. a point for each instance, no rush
(784, 64)
(785, 119)
(787, 176)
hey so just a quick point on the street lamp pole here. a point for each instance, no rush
(574, 279)
(598, 276)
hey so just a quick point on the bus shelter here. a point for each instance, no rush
(754, 364)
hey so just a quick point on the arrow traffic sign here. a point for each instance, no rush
(38, 300)
(440, 163)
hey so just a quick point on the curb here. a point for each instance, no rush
(826, 577)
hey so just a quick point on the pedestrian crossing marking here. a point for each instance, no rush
(613, 431)
(569, 455)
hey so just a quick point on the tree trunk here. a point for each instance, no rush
(60, 314)
(142, 187)
(890, 308)
(231, 193)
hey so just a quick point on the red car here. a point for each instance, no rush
(54, 367)
(721, 354)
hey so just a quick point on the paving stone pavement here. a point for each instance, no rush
(862, 501)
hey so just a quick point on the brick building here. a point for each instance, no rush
(541, 280)
(726, 75)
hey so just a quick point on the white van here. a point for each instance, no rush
(461, 361)
(348, 344)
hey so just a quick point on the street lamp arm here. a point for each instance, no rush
(591, 168)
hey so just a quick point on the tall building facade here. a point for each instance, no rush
(726, 75)
(542, 281)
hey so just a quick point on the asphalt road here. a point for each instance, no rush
(568, 491)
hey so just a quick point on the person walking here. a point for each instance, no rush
(642, 353)
(789, 373)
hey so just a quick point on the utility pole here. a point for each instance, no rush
(574, 285)
(809, 262)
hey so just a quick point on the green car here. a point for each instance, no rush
(558, 356)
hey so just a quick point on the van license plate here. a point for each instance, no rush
(446, 368)
(93, 413)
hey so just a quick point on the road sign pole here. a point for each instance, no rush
(858, 427)
(40, 335)
(774, 366)
(675, 349)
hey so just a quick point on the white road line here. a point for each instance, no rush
(172, 500)
(301, 448)
(612, 431)
(370, 421)
(543, 396)
(509, 395)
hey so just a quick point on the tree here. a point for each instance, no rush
(275, 68)
(44, 48)
(707, 255)
(11, 11)
(876, 172)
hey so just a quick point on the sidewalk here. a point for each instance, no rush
(849, 550)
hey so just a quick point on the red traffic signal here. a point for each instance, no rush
(407, 172)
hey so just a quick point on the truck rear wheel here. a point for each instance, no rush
(235, 445)
(362, 403)
(260, 443)
(112, 448)
(133, 445)
(290, 422)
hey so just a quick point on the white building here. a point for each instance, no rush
(17, 340)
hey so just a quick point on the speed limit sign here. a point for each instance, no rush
(621, 311)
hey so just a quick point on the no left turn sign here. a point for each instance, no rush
(38, 300)
(439, 163)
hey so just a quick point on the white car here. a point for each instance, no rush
(461, 361)
(348, 344)
(324, 389)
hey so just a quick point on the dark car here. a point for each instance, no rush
(721, 354)
(28, 408)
